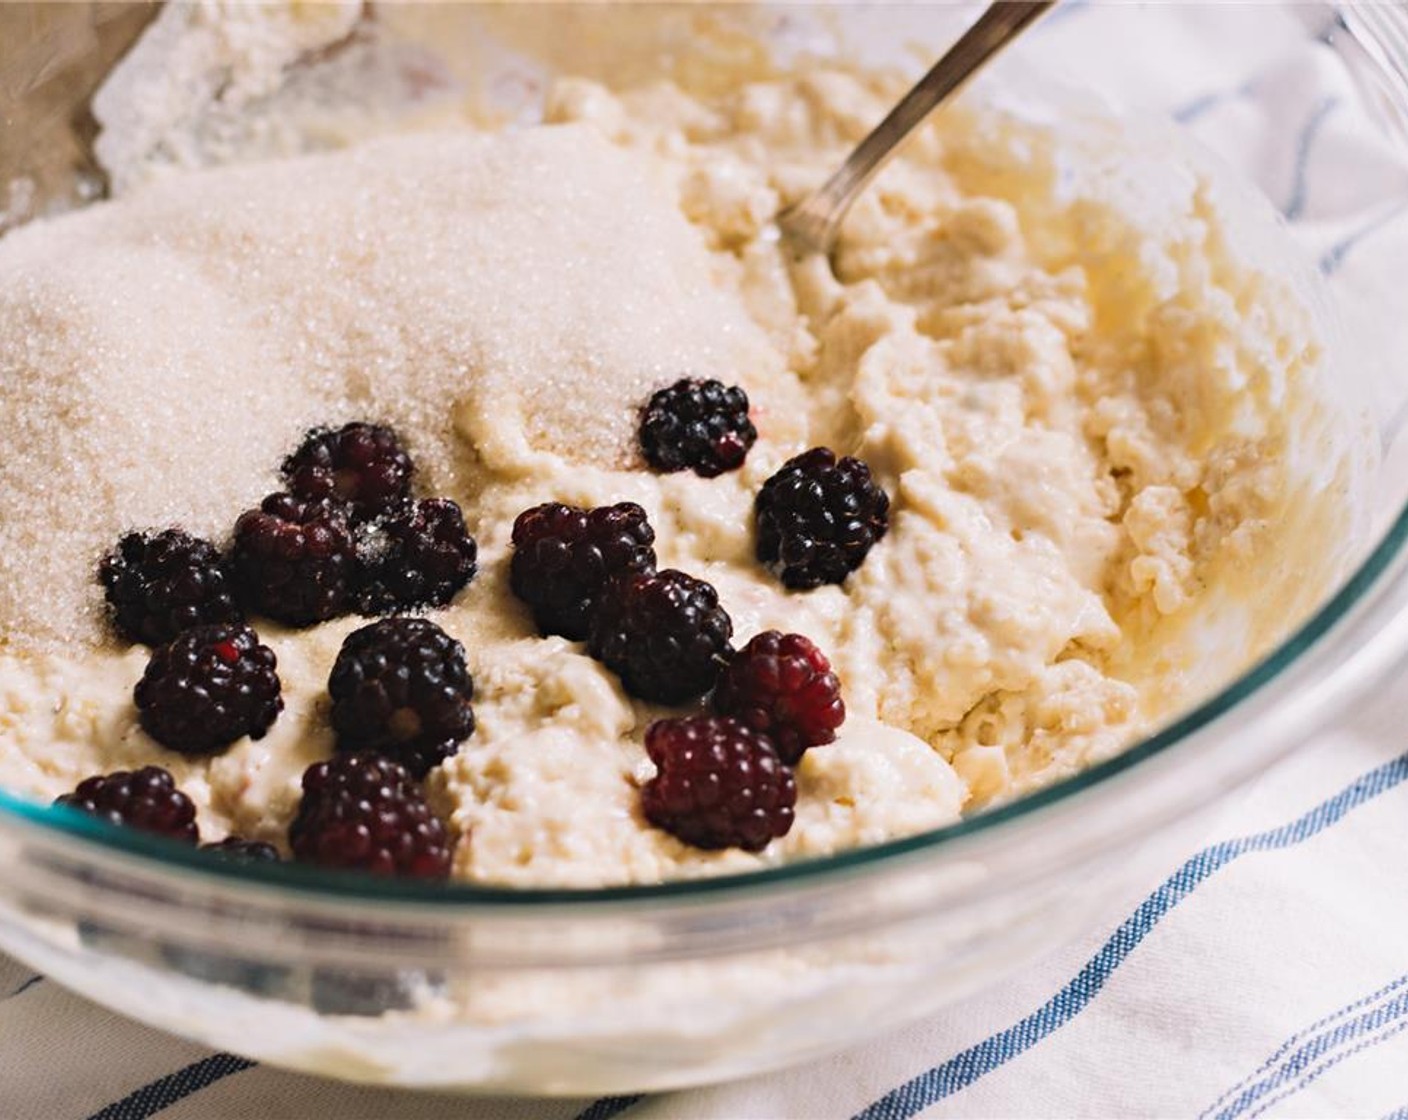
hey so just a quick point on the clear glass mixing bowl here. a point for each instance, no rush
(659, 986)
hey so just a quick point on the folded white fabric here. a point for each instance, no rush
(1266, 975)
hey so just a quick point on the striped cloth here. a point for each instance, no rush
(1267, 974)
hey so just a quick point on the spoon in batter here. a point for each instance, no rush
(811, 226)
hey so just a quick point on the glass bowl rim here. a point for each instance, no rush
(312, 883)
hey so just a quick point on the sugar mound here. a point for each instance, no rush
(160, 354)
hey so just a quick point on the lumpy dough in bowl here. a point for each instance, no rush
(1101, 430)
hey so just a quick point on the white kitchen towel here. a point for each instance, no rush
(1266, 974)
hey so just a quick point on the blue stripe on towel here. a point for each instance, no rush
(1315, 1075)
(607, 1107)
(19, 991)
(163, 1093)
(1190, 111)
(1305, 144)
(1398, 1114)
(1399, 1024)
(963, 1069)
(1367, 1044)
(1335, 255)
(1325, 1049)
(1285, 1047)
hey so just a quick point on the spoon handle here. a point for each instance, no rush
(813, 223)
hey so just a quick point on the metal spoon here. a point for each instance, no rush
(812, 225)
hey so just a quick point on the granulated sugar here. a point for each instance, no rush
(159, 355)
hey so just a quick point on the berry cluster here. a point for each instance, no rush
(817, 518)
(349, 535)
(346, 533)
(359, 812)
(590, 574)
(722, 780)
(401, 705)
(725, 781)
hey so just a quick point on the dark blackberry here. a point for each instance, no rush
(701, 426)
(236, 849)
(817, 518)
(146, 799)
(208, 687)
(294, 560)
(361, 465)
(782, 686)
(159, 584)
(718, 784)
(664, 634)
(563, 556)
(400, 688)
(418, 555)
(363, 812)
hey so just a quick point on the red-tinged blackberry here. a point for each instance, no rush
(782, 686)
(418, 555)
(236, 849)
(294, 560)
(158, 584)
(363, 812)
(701, 426)
(400, 688)
(145, 799)
(208, 687)
(818, 517)
(563, 556)
(664, 634)
(361, 465)
(718, 784)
